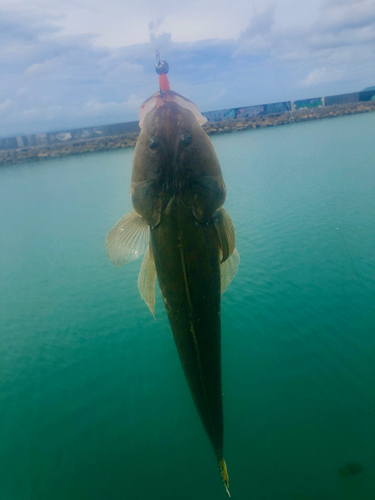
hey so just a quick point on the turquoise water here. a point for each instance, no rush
(94, 404)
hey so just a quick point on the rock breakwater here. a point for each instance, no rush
(36, 153)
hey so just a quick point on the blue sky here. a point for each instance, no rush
(67, 64)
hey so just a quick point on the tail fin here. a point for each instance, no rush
(224, 474)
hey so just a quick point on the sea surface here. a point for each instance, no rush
(93, 401)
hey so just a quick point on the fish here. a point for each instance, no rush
(188, 242)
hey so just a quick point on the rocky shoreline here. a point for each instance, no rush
(11, 157)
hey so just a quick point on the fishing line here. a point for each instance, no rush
(153, 24)
(299, 136)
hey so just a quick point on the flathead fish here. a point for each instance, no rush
(177, 192)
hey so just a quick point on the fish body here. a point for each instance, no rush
(177, 193)
(187, 261)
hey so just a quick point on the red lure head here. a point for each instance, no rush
(162, 68)
(163, 82)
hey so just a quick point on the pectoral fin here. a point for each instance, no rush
(147, 280)
(227, 235)
(128, 239)
(229, 270)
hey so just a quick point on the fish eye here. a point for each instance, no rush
(186, 138)
(153, 142)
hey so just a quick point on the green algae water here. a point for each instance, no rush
(94, 403)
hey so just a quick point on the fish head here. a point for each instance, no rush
(174, 157)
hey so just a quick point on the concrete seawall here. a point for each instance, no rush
(66, 136)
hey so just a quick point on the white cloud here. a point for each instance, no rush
(124, 72)
(95, 108)
(321, 75)
(217, 96)
(69, 64)
(35, 69)
(5, 107)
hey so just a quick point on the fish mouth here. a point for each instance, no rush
(160, 99)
